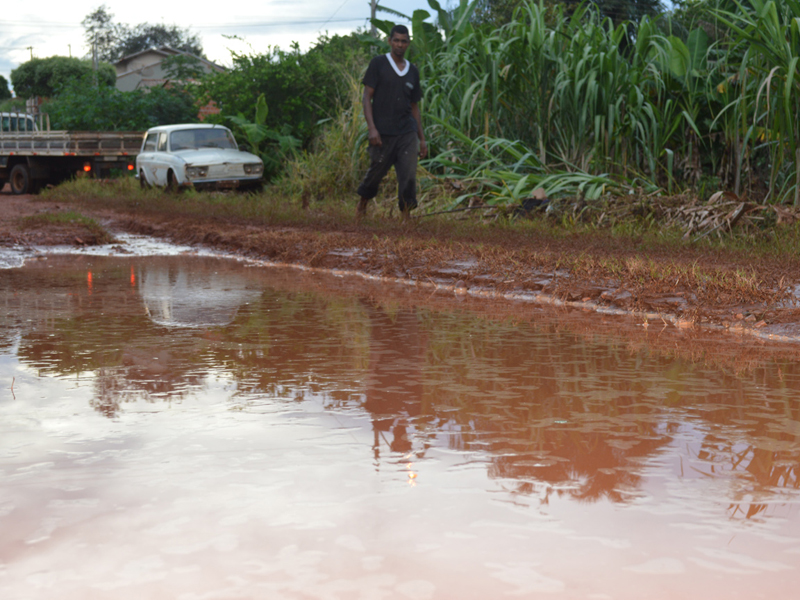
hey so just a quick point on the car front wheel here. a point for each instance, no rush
(172, 182)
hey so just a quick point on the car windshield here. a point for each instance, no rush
(191, 139)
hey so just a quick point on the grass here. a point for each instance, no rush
(565, 218)
(68, 218)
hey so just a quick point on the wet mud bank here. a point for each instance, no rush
(510, 269)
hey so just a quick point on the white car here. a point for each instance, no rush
(201, 156)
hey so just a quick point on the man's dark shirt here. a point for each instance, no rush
(393, 97)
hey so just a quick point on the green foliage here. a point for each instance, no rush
(300, 88)
(44, 76)
(102, 33)
(621, 11)
(338, 158)
(12, 105)
(5, 92)
(274, 147)
(585, 98)
(765, 40)
(183, 67)
(494, 13)
(81, 106)
(580, 99)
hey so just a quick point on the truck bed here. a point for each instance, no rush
(71, 143)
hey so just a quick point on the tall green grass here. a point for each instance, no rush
(565, 100)
(338, 159)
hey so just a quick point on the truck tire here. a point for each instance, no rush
(143, 180)
(21, 182)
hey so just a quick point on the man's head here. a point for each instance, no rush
(398, 29)
(399, 40)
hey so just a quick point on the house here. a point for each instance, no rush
(144, 69)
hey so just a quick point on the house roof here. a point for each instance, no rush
(166, 52)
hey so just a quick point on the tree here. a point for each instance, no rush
(183, 67)
(300, 88)
(623, 10)
(100, 30)
(81, 106)
(5, 92)
(45, 76)
(494, 13)
(115, 40)
(145, 36)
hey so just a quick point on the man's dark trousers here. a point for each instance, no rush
(400, 151)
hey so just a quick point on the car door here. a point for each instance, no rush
(145, 160)
(161, 159)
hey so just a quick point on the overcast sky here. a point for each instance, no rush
(53, 27)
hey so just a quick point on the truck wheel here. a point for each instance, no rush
(21, 182)
(143, 181)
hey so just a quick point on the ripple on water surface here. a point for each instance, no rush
(193, 427)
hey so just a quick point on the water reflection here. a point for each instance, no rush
(176, 296)
(393, 387)
(530, 407)
(553, 411)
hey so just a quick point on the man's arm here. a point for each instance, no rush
(366, 101)
(423, 145)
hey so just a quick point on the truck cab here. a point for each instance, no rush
(12, 122)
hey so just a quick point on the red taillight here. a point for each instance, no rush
(130, 167)
(87, 167)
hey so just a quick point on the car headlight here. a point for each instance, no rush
(194, 172)
(253, 169)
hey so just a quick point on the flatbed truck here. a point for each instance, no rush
(32, 157)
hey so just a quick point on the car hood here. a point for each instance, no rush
(216, 156)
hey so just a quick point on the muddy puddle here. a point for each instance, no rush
(186, 427)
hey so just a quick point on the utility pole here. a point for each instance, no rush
(373, 8)
(31, 49)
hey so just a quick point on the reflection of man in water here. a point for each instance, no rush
(394, 383)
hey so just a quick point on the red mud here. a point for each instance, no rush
(572, 271)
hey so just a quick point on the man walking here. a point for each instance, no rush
(391, 107)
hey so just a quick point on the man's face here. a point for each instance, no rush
(399, 44)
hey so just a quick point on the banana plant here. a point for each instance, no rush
(273, 147)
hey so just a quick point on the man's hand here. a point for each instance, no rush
(423, 149)
(372, 131)
(374, 137)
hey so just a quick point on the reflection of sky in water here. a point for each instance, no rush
(335, 447)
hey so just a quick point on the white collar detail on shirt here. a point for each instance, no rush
(394, 65)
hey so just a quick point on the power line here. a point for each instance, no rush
(55, 25)
(334, 13)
